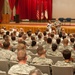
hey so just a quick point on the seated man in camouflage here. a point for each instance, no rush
(54, 51)
(21, 67)
(5, 52)
(41, 59)
(67, 59)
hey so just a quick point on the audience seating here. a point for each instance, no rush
(2, 73)
(61, 19)
(62, 70)
(68, 20)
(44, 68)
(4, 65)
(33, 56)
(55, 59)
(11, 63)
(33, 51)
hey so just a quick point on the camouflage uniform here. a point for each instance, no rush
(20, 69)
(63, 63)
(54, 53)
(42, 61)
(6, 54)
(14, 58)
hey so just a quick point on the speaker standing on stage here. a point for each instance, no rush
(49, 26)
(58, 24)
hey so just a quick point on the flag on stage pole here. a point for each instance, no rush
(46, 14)
(37, 13)
(42, 12)
(46, 9)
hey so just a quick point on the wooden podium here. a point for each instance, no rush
(5, 18)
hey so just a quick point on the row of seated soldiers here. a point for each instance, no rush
(18, 45)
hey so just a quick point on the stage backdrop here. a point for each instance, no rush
(32, 9)
(1, 7)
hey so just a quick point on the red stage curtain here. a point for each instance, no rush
(12, 4)
(49, 9)
(33, 9)
(1, 7)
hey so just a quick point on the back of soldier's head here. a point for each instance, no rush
(67, 54)
(33, 43)
(72, 39)
(40, 50)
(13, 38)
(52, 35)
(21, 55)
(64, 36)
(40, 36)
(32, 38)
(44, 33)
(54, 47)
(6, 44)
(65, 41)
(49, 40)
(58, 40)
(35, 72)
(7, 33)
(21, 46)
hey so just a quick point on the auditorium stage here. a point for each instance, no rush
(69, 28)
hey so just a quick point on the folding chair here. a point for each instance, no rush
(33, 56)
(68, 20)
(44, 68)
(4, 65)
(2, 73)
(62, 70)
(55, 58)
(34, 51)
(11, 63)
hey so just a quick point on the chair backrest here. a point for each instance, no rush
(61, 19)
(62, 70)
(55, 58)
(44, 68)
(11, 63)
(4, 65)
(68, 19)
(33, 56)
(2, 73)
(34, 51)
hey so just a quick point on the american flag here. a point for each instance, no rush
(42, 13)
(38, 14)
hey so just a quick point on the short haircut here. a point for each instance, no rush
(54, 47)
(72, 40)
(21, 55)
(64, 36)
(36, 72)
(44, 33)
(13, 38)
(6, 44)
(49, 40)
(65, 41)
(33, 43)
(40, 50)
(58, 40)
(52, 35)
(7, 33)
(39, 35)
(67, 54)
(21, 46)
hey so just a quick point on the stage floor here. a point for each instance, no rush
(69, 27)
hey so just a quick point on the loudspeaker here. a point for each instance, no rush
(16, 18)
